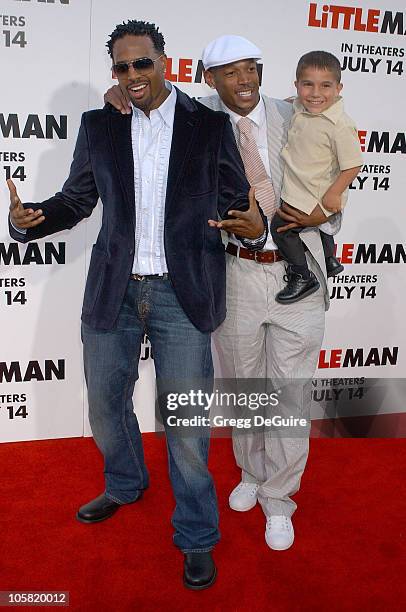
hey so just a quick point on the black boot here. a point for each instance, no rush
(298, 287)
(99, 509)
(333, 266)
(199, 570)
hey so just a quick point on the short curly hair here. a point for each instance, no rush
(137, 28)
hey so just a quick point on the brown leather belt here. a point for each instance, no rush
(141, 277)
(262, 257)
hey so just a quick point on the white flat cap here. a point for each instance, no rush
(228, 49)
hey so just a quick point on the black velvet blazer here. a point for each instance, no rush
(205, 179)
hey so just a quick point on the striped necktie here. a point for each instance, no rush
(255, 169)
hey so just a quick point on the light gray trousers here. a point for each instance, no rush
(261, 339)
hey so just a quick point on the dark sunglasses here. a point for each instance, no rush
(143, 65)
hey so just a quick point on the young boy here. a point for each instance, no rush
(322, 157)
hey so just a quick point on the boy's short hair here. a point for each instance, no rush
(323, 60)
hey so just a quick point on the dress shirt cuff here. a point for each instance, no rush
(257, 244)
(17, 229)
(256, 241)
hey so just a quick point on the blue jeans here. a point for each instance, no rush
(111, 368)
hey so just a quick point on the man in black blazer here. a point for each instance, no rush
(157, 267)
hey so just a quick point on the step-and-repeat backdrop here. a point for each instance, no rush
(55, 66)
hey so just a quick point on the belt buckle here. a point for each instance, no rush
(256, 257)
(138, 277)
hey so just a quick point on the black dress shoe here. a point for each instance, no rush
(297, 287)
(99, 509)
(333, 266)
(199, 570)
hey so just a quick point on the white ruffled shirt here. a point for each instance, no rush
(151, 143)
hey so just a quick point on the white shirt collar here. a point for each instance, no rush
(257, 115)
(333, 112)
(166, 110)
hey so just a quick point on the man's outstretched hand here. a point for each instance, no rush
(19, 216)
(248, 224)
(118, 99)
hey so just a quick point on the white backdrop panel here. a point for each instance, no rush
(57, 77)
(49, 76)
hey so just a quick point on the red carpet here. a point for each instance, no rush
(349, 553)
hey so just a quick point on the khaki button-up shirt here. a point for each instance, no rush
(319, 147)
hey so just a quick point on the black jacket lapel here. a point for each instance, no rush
(184, 131)
(120, 136)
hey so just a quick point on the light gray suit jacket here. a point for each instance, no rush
(278, 116)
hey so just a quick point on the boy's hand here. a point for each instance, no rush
(19, 216)
(297, 218)
(118, 99)
(332, 202)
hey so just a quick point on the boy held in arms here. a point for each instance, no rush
(322, 157)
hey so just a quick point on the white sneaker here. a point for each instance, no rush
(279, 533)
(244, 496)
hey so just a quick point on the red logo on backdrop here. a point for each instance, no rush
(350, 253)
(358, 357)
(382, 142)
(355, 18)
(187, 70)
(180, 71)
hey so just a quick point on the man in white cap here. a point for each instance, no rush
(261, 339)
